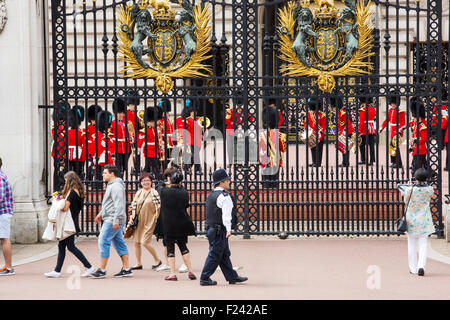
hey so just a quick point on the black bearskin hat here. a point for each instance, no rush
(192, 104)
(270, 118)
(119, 106)
(363, 96)
(92, 112)
(444, 94)
(336, 102)
(165, 105)
(150, 114)
(132, 98)
(417, 108)
(314, 103)
(75, 116)
(60, 111)
(104, 120)
(393, 97)
(160, 112)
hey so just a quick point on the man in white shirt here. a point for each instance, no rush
(219, 207)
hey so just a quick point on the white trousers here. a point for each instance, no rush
(413, 241)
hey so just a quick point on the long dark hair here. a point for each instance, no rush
(73, 182)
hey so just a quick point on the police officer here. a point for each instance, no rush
(219, 207)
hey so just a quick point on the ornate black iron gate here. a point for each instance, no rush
(244, 71)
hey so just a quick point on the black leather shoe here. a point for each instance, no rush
(208, 282)
(362, 162)
(238, 279)
(421, 272)
(199, 173)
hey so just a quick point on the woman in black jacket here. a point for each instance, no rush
(176, 223)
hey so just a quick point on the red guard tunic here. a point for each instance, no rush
(444, 117)
(62, 142)
(342, 123)
(392, 118)
(77, 147)
(181, 127)
(195, 132)
(312, 123)
(119, 136)
(280, 122)
(270, 153)
(419, 132)
(233, 117)
(99, 145)
(370, 118)
(91, 139)
(150, 145)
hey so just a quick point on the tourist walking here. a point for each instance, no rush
(146, 206)
(74, 193)
(176, 223)
(219, 207)
(419, 219)
(114, 217)
(6, 214)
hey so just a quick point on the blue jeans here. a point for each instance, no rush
(108, 235)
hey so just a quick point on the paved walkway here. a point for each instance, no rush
(298, 268)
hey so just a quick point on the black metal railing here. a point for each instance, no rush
(315, 191)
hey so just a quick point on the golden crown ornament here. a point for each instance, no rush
(328, 43)
(177, 42)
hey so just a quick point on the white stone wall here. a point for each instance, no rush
(22, 127)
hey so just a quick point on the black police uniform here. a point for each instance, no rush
(219, 251)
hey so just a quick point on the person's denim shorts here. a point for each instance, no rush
(5, 226)
(107, 236)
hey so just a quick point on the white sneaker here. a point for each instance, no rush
(163, 267)
(88, 271)
(183, 268)
(52, 274)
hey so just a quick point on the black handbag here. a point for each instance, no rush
(401, 223)
(134, 223)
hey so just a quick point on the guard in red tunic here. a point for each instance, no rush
(133, 100)
(315, 125)
(149, 140)
(181, 151)
(234, 121)
(165, 127)
(194, 137)
(103, 146)
(272, 147)
(366, 128)
(271, 102)
(58, 147)
(76, 141)
(442, 112)
(120, 136)
(92, 114)
(397, 123)
(418, 145)
(345, 129)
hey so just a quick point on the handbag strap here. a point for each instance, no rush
(137, 212)
(410, 196)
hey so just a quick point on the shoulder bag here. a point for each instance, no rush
(402, 225)
(131, 227)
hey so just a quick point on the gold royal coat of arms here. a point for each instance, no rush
(331, 42)
(177, 42)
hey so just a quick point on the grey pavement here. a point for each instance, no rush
(296, 268)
